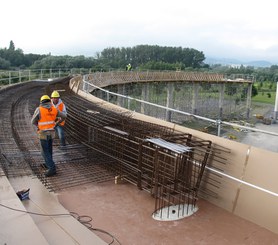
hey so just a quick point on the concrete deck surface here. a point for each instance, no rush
(121, 214)
(125, 212)
(23, 228)
(16, 227)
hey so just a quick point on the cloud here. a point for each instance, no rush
(225, 29)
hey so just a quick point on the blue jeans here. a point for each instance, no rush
(46, 150)
(60, 132)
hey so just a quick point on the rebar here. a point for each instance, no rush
(102, 144)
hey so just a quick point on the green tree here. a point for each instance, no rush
(12, 46)
(4, 64)
(142, 55)
(254, 90)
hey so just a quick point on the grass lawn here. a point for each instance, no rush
(264, 98)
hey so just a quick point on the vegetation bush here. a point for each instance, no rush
(142, 57)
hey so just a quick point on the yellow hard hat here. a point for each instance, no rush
(55, 94)
(45, 98)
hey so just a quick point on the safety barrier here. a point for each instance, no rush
(90, 86)
(18, 76)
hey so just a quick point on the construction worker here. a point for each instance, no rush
(59, 104)
(128, 67)
(45, 118)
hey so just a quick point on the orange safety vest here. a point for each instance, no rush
(47, 118)
(60, 108)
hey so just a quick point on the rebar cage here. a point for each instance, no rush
(166, 163)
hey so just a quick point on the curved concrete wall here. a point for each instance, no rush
(243, 162)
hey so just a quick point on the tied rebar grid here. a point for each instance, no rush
(76, 166)
(171, 177)
(102, 144)
(20, 149)
(11, 158)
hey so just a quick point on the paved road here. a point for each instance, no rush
(261, 140)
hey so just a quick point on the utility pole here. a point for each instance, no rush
(276, 104)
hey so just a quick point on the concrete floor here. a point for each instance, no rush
(38, 226)
(126, 213)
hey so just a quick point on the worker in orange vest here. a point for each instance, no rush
(45, 119)
(59, 104)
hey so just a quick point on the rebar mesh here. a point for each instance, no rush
(102, 144)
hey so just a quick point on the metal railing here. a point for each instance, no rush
(18, 76)
(104, 78)
(219, 123)
(15, 76)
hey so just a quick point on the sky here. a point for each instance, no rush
(246, 30)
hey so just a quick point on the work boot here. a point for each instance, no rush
(49, 173)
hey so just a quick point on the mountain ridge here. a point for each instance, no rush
(236, 62)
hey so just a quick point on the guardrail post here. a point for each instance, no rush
(10, 78)
(218, 123)
(170, 101)
(276, 104)
(107, 96)
(248, 100)
(128, 103)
